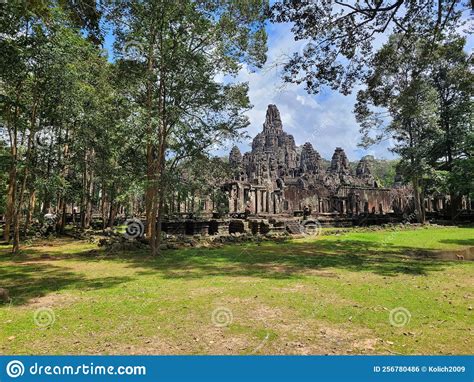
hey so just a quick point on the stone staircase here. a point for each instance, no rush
(294, 228)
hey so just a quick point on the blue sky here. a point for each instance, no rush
(325, 120)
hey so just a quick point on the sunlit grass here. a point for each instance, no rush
(327, 294)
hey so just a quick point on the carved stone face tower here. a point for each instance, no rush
(339, 162)
(310, 160)
(273, 151)
(235, 157)
(273, 120)
(276, 177)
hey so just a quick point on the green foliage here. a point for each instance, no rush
(340, 35)
(383, 170)
(83, 132)
(421, 98)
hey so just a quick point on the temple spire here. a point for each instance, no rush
(273, 120)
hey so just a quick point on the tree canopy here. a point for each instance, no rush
(341, 35)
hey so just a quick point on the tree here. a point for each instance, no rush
(451, 76)
(342, 34)
(180, 48)
(22, 89)
(400, 85)
(52, 100)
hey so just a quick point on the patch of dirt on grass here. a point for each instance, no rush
(320, 273)
(294, 288)
(278, 268)
(466, 254)
(52, 300)
(209, 340)
(265, 312)
(255, 309)
(45, 257)
(220, 341)
(151, 346)
(205, 291)
(299, 338)
(365, 345)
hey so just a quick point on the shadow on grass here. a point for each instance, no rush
(466, 242)
(25, 281)
(34, 274)
(295, 260)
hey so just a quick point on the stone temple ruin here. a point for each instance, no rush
(278, 186)
(278, 177)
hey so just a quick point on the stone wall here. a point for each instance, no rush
(277, 177)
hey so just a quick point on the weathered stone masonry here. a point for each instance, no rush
(277, 177)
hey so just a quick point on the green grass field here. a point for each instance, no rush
(382, 292)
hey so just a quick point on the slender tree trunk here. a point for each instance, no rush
(419, 204)
(102, 208)
(17, 213)
(13, 173)
(84, 193)
(31, 208)
(18, 206)
(161, 196)
(112, 213)
(160, 185)
(150, 193)
(11, 192)
(154, 213)
(90, 191)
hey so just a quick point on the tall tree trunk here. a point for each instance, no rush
(11, 192)
(150, 193)
(419, 203)
(154, 213)
(17, 213)
(112, 213)
(13, 173)
(102, 207)
(90, 190)
(84, 193)
(31, 208)
(61, 215)
(160, 168)
(26, 169)
(161, 194)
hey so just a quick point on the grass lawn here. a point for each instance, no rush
(381, 292)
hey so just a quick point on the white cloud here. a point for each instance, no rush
(326, 120)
